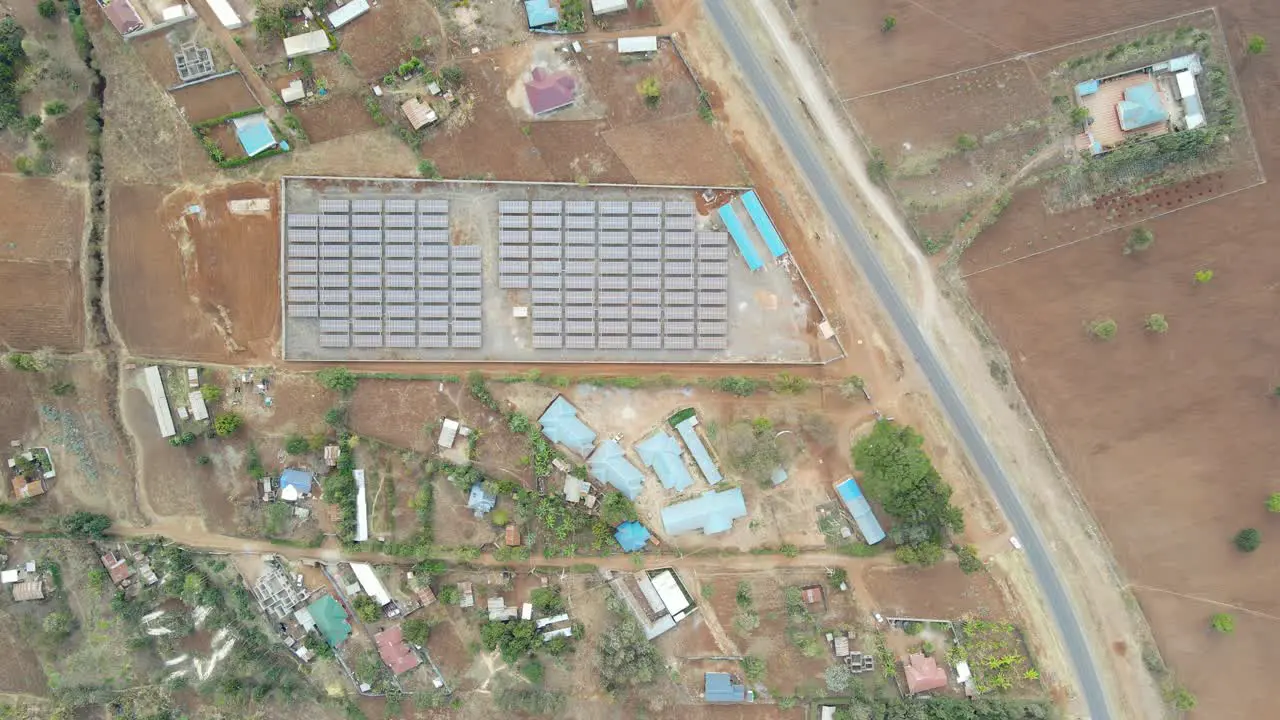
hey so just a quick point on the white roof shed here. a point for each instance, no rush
(643, 44)
(669, 590)
(370, 583)
(602, 7)
(310, 43)
(448, 432)
(348, 12)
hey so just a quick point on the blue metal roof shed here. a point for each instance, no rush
(541, 12)
(632, 536)
(739, 235)
(751, 202)
(1141, 107)
(561, 425)
(712, 512)
(609, 464)
(254, 134)
(720, 688)
(661, 452)
(853, 499)
(698, 450)
(298, 479)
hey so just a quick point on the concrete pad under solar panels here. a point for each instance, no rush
(335, 205)
(466, 297)
(613, 327)
(332, 311)
(678, 312)
(646, 342)
(548, 342)
(465, 252)
(580, 237)
(678, 223)
(712, 342)
(366, 221)
(513, 207)
(335, 341)
(303, 220)
(677, 282)
(613, 342)
(579, 342)
(713, 253)
(433, 236)
(678, 207)
(513, 282)
(300, 310)
(468, 282)
(433, 341)
(466, 342)
(547, 222)
(400, 326)
(433, 311)
(335, 221)
(335, 281)
(513, 222)
(580, 207)
(677, 342)
(302, 235)
(513, 252)
(302, 295)
(401, 341)
(646, 237)
(677, 297)
(548, 252)
(645, 312)
(464, 267)
(545, 282)
(646, 222)
(302, 281)
(579, 282)
(466, 312)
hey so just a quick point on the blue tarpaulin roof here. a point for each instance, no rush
(698, 450)
(712, 512)
(541, 12)
(609, 464)
(300, 479)
(739, 235)
(560, 424)
(751, 202)
(853, 499)
(631, 536)
(254, 134)
(1141, 107)
(720, 688)
(662, 453)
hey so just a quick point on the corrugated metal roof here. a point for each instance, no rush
(689, 434)
(610, 465)
(712, 512)
(853, 499)
(561, 425)
(662, 453)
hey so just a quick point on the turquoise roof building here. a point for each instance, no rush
(541, 12)
(661, 453)
(712, 512)
(609, 464)
(254, 134)
(698, 450)
(632, 536)
(720, 688)
(1141, 107)
(860, 509)
(561, 425)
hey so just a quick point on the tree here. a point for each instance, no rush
(297, 445)
(547, 601)
(453, 75)
(1103, 328)
(85, 524)
(1140, 239)
(898, 474)
(753, 669)
(211, 393)
(616, 509)
(1156, 323)
(966, 142)
(513, 638)
(1255, 45)
(416, 631)
(338, 379)
(1203, 276)
(752, 449)
(185, 438)
(1079, 115)
(791, 384)
(1248, 540)
(367, 609)
(427, 169)
(48, 9)
(651, 90)
(969, 561)
(838, 577)
(625, 658)
(56, 625)
(450, 595)
(227, 423)
(1273, 503)
(853, 387)
(1223, 623)
(888, 24)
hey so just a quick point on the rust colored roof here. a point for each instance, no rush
(811, 594)
(123, 16)
(512, 538)
(549, 91)
(425, 596)
(30, 590)
(924, 674)
(395, 652)
(116, 567)
(418, 114)
(23, 489)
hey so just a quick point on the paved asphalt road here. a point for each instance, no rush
(795, 137)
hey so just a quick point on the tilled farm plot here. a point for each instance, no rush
(387, 35)
(334, 117)
(683, 150)
(614, 81)
(215, 98)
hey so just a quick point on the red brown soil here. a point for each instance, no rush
(334, 117)
(940, 592)
(633, 17)
(579, 149)
(382, 38)
(224, 134)
(156, 54)
(683, 150)
(613, 81)
(214, 300)
(214, 98)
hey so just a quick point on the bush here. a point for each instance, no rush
(24, 362)
(1103, 328)
(1156, 323)
(449, 595)
(56, 626)
(416, 631)
(888, 24)
(838, 679)
(853, 387)
(1223, 623)
(1140, 239)
(227, 423)
(1273, 503)
(56, 107)
(1248, 540)
(453, 75)
(1203, 276)
(182, 440)
(753, 669)
(966, 142)
(297, 445)
(1255, 45)
(740, 386)
(203, 460)
(85, 524)
(335, 417)
(366, 608)
(48, 9)
(427, 169)
(211, 393)
(651, 90)
(791, 384)
(62, 387)
(338, 379)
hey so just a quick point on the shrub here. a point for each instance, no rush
(1079, 115)
(85, 524)
(62, 387)
(1255, 45)
(1140, 239)
(791, 384)
(211, 393)
(1248, 540)
(185, 438)
(1273, 503)
(734, 385)
(56, 625)
(416, 631)
(1156, 323)
(1103, 329)
(1223, 623)
(453, 75)
(753, 669)
(969, 562)
(56, 107)
(853, 387)
(1181, 698)
(297, 445)
(338, 379)
(450, 595)
(888, 24)
(534, 671)
(838, 679)
(227, 423)
(1203, 276)
(651, 90)
(48, 9)
(25, 362)
(203, 460)
(335, 417)
(427, 169)
(366, 608)
(966, 142)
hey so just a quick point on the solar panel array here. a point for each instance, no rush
(380, 273)
(616, 274)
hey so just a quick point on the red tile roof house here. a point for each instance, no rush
(116, 567)
(550, 91)
(122, 15)
(395, 651)
(923, 674)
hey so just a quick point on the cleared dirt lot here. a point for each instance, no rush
(214, 98)
(387, 35)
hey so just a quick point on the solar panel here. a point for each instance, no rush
(580, 297)
(547, 267)
(645, 252)
(303, 220)
(397, 251)
(398, 236)
(580, 267)
(366, 236)
(580, 222)
(647, 267)
(713, 327)
(713, 312)
(335, 221)
(465, 342)
(677, 282)
(366, 251)
(575, 312)
(466, 312)
(547, 327)
(331, 311)
(548, 312)
(645, 312)
(677, 342)
(513, 252)
(678, 207)
(546, 237)
(427, 205)
(433, 236)
(613, 297)
(678, 223)
(366, 311)
(713, 297)
(513, 207)
(707, 237)
(406, 221)
(433, 252)
(335, 205)
(398, 281)
(547, 207)
(678, 237)
(612, 342)
(397, 205)
(646, 342)
(400, 296)
(713, 252)
(433, 296)
(366, 341)
(433, 311)
(511, 222)
(433, 327)
(646, 282)
(366, 296)
(547, 252)
(613, 282)
(547, 297)
(469, 282)
(400, 266)
(513, 282)
(614, 207)
(547, 222)
(712, 342)
(646, 222)
(434, 282)
(337, 237)
(302, 235)
(614, 222)
(613, 312)
(580, 252)
(713, 267)
(579, 237)
(302, 266)
(546, 282)
(335, 266)
(513, 267)
(367, 280)
(367, 325)
(466, 297)
(675, 252)
(677, 298)
(335, 281)
(433, 341)
(713, 282)
(548, 342)
(301, 295)
(513, 237)
(614, 268)
(401, 341)
(646, 207)
(614, 252)
(428, 222)
(646, 237)
(607, 237)
(366, 221)
(580, 207)
(678, 312)
(580, 342)
(466, 327)
(335, 325)
(465, 267)
(645, 327)
(465, 252)
(678, 327)
(646, 298)
(302, 311)
(335, 341)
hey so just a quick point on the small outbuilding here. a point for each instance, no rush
(122, 16)
(293, 92)
(923, 674)
(418, 113)
(254, 134)
(542, 13)
(28, 591)
(395, 652)
(548, 91)
(632, 536)
(310, 43)
(662, 454)
(720, 688)
(480, 501)
(609, 464)
(604, 7)
(295, 483)
(348, 12)
(643, 44)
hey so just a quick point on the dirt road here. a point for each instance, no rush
(257, 86)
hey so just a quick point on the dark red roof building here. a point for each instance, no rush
(550, 91)
(395, 652)
(122, 15)
(924, 674)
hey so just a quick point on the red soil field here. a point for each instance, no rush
(680, 150)
(382, 38)
(333, 118)
(215, 98)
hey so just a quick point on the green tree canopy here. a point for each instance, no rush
(227, 423)
(1273, 503)
(85, 524)
(1248, 540)
(898, 474)
(1223, 623)
(625, 658)
(338, 379)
